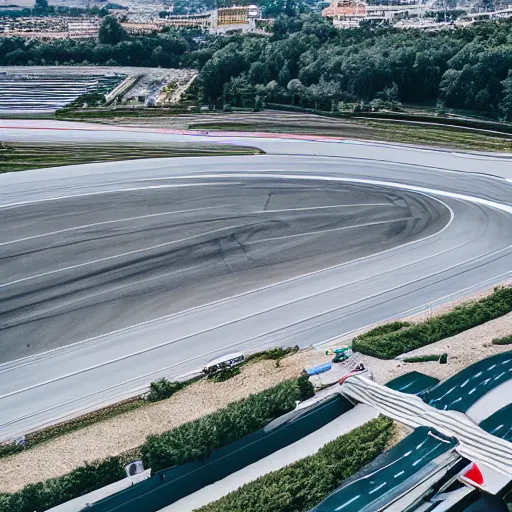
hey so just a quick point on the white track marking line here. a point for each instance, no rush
(320, 231)
(127, 219)
(85, 226)
(113, 191)
(100, 260)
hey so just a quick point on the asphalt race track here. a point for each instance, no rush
(113, 274)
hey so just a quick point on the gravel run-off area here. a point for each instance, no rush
(128, 431)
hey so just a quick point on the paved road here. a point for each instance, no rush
(113, 274)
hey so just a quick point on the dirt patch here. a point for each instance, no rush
(128, 431)
(400, 432)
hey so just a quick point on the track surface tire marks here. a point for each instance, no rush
(83, 270)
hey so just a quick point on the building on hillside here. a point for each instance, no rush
(346, 13)
(350, 13)
(204, 21)
(237, 15)
(51, 27)
(84, 28)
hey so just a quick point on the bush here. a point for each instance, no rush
(305, 483)
(162, 388)
(305, 387)
(467, 316)
(384, 329)
(53, 492)
(226, 374)
(273, 353)
(10, 449)
(507, 340)
(197, 439)
(422, 359)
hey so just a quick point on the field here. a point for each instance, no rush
(21, 156)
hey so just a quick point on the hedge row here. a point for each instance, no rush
(466, 316)
(305, 483)
(197, 439)
(187, 442)
(507, 340)
(381, 330)
(53, 492)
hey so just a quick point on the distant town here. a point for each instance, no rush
(82, 19)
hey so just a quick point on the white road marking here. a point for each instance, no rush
(113, 191)
(85, 226)
(100, 260)
(378, 487)
(341, 507)
(329, 230)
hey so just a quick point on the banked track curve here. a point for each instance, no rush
(310, 241)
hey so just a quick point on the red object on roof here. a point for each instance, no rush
(474, 474)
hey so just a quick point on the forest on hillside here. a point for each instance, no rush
(306, 62)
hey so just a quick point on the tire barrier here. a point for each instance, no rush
(170, 485)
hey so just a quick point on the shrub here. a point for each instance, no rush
(273, 353)
(444, 358)
(305, 483)
(421, 359)
(466, 316)
(507, 340)
(226, 374)
(53, 492)
(162, 388)
(306, 389)
(197, 439)
(10, 449)
(384, 329)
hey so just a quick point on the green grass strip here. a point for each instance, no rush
(462, 318)
(304, 484)
(21, 156)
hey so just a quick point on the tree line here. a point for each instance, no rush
(171, 48)
(306, 62)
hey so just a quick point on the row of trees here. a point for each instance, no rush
(309, 63)
(172, 48)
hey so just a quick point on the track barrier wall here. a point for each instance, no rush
(170, 485)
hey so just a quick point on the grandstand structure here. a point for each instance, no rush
(350, 13)
(47, 92)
